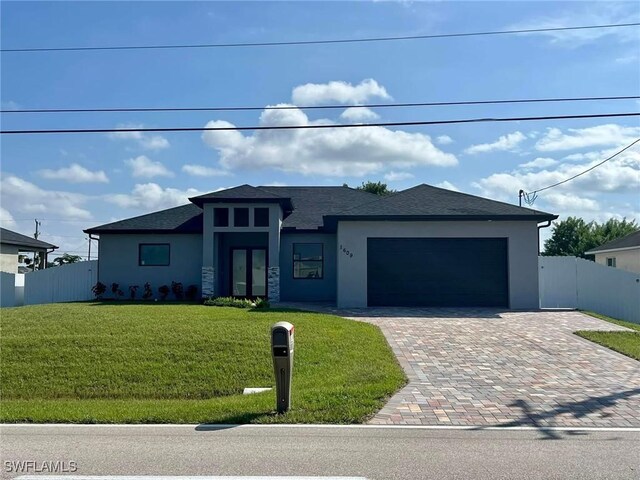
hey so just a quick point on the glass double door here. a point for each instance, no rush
(249, 272)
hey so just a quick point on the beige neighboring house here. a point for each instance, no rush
(623, 253)
(12, 244)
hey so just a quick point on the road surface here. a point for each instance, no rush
(362, 451)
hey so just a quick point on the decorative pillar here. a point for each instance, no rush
(273, 283)
(208, 282)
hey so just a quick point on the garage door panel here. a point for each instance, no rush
(437, 272)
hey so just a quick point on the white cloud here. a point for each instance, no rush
(359, 114)
(145, 141)
(18, 195)
(447, 186)
(592, 13)
(540, 162)
(75, 173)
(444, 140)
(338, 92)
(398, 176)
(151, 196)
(6, 219)
(202, 171)
(620, 175)
(504, 143)
(555, 139)
(571, 201)
(143, 166)
(326, 151)
(10, 105)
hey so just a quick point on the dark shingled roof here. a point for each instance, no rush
(313, 208)
(312, 203)
(433, 203)
(630, 241)
(184, 219)
(243, 194)
(15, 238)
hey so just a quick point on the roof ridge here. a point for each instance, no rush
(377, 199)
(145, 215)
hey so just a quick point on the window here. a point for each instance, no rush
(307, 260)
(220, 217)
(260, 217)
(153, 254)
(240, 217)
(611, 262)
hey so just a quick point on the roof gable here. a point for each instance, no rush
(14, 238)
(629, 241)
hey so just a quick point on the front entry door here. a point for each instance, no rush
(249, 272)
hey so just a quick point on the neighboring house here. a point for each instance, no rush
(623, 253)
(12, 244)
(423, 246)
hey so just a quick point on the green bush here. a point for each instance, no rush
(262, 303)
(229, 302)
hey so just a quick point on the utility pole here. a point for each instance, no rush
(520, 195)
(37, 234)
(89, 254)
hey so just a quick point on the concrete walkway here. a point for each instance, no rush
(487, 367)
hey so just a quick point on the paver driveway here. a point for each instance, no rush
(481, 367)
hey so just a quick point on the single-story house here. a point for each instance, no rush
(12, 244)
(623, 253)
(424, 246)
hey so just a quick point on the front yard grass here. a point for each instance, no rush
(150, 363)
(627, 343)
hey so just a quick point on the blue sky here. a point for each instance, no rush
(71, 182)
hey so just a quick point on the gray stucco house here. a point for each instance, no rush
(424, 246)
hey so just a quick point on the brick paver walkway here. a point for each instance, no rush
(478, 367)
(483, 367)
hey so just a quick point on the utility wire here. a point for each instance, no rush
(316, 107)
(585, 171)
(315, 42)
(317, 126)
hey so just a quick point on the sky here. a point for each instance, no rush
(70, 182)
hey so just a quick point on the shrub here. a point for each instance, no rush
(229, 302)
(148, 293)
(133, 290)
(115, 289)
(164, 292)
(98, 290)
(192, 292)
(178, 290)
(262, 303)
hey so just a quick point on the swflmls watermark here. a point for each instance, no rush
(32, 466)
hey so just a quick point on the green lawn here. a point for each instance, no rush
(627, 343)
(149, 363)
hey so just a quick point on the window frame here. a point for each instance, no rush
(255, 217)
(237, 210)
(611, 262)
(215, 216)
(168, 245)
(293, 260)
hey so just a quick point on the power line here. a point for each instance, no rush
(316, 107)
(585, 171)
(314, 42)
(318, 126)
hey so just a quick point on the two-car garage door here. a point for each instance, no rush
(437, 272)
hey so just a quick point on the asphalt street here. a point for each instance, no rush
(369, 451)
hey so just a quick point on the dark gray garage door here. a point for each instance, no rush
(437, 272)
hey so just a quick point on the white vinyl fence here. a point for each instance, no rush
(570, 282)
(66, 283)
(7, 289)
